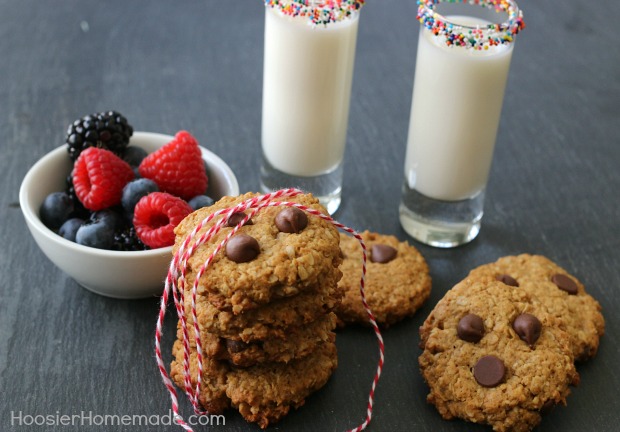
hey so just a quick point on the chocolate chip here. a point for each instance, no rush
(242, 248)
(235, 346)
(470, 328)
(381, 253)
(489, 371)
(291, 220)
(528, 328)
(565, 283)
(507, 279)
(237, 217)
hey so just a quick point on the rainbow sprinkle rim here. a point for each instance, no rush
(478, 38)
(317, 11)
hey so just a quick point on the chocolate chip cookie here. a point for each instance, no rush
(563, 296)
(279, 253)
(493, 356)
(397, 279)
(263, 306)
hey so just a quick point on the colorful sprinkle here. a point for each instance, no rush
(479, 38)
(317, 11)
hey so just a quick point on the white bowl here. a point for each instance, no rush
(117, 274)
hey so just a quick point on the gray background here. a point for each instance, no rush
(197, 65)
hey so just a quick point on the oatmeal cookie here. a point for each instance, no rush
(491, 356)
(265, 393)
(262, 393)
(299, 342)
(397, 279)
(281, 253)
(559, 292)
(272, 320)
(214, 377)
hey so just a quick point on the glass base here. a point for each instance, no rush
(443, 224)
(326, 187)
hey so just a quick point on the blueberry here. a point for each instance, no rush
(200, 201)
(69, 229)
(134, 155)
(55, 210)
(111, 216)
(133, 191)
(99, 231)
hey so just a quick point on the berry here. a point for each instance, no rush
(177, 167)
(133, 191)
(108, 130)
(55, 210)
(155, 217)
(127, 240)
(200, 201)
(99, 231)
(134, 155)
(79, 211)
(69, 229)
(99, 177)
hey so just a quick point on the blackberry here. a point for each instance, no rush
(108, 130)
(127, 240)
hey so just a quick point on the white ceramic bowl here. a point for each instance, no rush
(126, 275)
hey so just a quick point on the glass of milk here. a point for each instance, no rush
(463, 57)
(308, 69)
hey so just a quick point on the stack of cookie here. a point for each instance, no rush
(264, 309)
(500, 347)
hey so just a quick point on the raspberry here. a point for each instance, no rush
(177, 167)
(155, 217)
(99, 177)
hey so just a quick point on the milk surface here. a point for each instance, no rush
(308, 72)
(456, 106)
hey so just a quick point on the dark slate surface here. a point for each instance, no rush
(197, 65)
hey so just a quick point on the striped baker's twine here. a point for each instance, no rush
(176, 284)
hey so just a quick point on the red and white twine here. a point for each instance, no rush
(176, 283)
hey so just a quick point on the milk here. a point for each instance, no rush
(307, 79)
(463, 85)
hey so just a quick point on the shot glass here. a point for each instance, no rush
(308, 70)
(463, 57)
